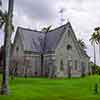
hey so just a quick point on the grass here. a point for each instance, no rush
(53, 89)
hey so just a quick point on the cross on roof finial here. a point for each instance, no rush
(61, 10)
(62, 19)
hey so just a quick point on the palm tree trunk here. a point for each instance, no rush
(6, 65)
(99, 52)
(7, 50)
(0, 2)
(69, 72)
(83, 70)
(94, 60)
(42, 64)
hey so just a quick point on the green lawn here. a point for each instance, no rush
(53, 89)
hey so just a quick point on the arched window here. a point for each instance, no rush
(68, 33)
(76, 65)
(69, 47)
(17, 48)
(61, 65)
(83, 68)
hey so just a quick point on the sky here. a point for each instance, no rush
(84, 16)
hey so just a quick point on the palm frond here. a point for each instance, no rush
(12, 27)
(97, 28)
(0, 2)
(4, 21)
(1, 13)
(1, 24)
(47, 29)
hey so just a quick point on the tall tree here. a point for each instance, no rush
(93, 40)
(97, 30)
(45, 29)
(0, 2)
(96, 39)
(6, 22)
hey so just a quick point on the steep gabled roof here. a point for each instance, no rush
(38, 41)
(81, 52)
(32, 40)
(53, 37)
(41, 42)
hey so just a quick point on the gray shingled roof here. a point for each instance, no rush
(32, 40)
(37, 41)
(53, 37)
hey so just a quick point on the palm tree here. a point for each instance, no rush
(97, 30)
(69, 70)
(93, 40)
(45, 29)
(6, 22)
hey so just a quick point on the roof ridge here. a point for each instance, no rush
(41, 31)
(28, 29)
(75, 37)
(59, 27)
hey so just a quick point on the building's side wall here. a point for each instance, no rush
(17, 54)
(30, 65)
(70, 56)
(17, 50)
(34, 66)
(25, 63)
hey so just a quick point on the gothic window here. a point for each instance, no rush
(76, 65)
(46, 67)
(36, 66)
(82, 64)
(69, 47)
(61, 65)
(17, 48)
(68, 33)
(83, 67)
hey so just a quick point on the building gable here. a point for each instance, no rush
(81, 52)
(37, 41)
(18, 44)
(53, 38)
(74, 39)
(68, 40)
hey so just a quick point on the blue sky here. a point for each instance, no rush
(84, 16)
